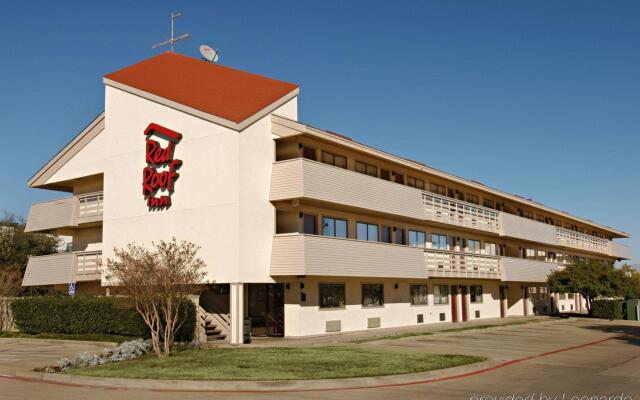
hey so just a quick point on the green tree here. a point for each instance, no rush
(16, 245)
(631, 283)
(590, 278)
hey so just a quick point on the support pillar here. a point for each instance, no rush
(237, 313)
(525, 300)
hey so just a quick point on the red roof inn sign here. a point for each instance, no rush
(160, 173)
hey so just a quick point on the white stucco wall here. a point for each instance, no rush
(221, 197)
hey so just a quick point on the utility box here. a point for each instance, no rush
(633, 309)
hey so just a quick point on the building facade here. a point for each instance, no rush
(304, 231)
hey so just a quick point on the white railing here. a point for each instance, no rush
(88, 262)
(454, 263)
(570, 238)
(450, 211)
(90, 205)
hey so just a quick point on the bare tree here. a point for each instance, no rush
(9, 288)
(158, 283)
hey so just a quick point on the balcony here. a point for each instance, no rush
(453, 264)
(69, 212)
(525, 270)
(455, 212)
(298, 254)
(59, 269)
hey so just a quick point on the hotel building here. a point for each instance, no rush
(303, 230)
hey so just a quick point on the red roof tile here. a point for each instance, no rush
(221, 91)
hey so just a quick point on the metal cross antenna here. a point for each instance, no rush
(172, 39)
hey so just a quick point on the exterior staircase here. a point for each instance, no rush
(215, 327)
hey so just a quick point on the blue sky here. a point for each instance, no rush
(539, 98)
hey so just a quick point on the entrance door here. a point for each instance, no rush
(463, 303)
(454, 303)
(266, 309)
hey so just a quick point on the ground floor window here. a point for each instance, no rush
(440, 294)
(331, 295)
(372, 294)
(419, 294)
(476, 293)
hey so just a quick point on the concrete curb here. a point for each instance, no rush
(258, 386)
(58, 341)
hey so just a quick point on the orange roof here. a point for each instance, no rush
(214, 89)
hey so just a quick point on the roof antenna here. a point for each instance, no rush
(172, 39)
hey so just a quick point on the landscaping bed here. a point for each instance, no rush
(277, 364)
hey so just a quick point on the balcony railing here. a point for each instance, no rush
(65, 213)
(56, 269)
(569, 238)
(444, 263)
(455, 212)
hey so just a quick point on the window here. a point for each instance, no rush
(372, 294)
(439, 241)
(541, 255)
(331, 295)
(334, 227)
(308, 153)
(332, 159)
(572, 296)
(438, 189)
(385, 174)
(417, 238)
(488, 203)
(562, 296)
(475, 292)
(529, 253)
(368, 232)
(490, 249)
(415, 182)
(366, 169)
(473, 246)
(309, 222)
(398, 235)
(528, 214)
(398, 178)
(385, 234)
(472, 198)
(419, 295)
(440, 294)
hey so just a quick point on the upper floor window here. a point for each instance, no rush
(334, 227)
(309, 153)
(490, 249)
(367, 169)
(529, 253)
(438, 189)
(439, 241)
(398, 235)
(473, 246)
(472, 198)
(368, 232)
(398, 178)
(385, 174)
(385, 234)
(415, 182)
(528, 214)
(335, 160)
(488, 203)
(309, 224)
(417, 238)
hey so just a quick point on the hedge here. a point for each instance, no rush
(84, 314)
(607, 309)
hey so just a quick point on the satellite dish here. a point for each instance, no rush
(210, 54)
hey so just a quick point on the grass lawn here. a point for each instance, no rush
(60, 336)
(277, 364)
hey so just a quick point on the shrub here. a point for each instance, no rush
(83, 314)
(607, 309)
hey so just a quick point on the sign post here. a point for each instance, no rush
(72, 289)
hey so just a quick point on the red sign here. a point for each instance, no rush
(161, 170)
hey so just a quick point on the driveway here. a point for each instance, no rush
(570, 357)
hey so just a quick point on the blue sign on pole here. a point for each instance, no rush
(72, 288)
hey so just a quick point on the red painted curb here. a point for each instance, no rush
(420, 382)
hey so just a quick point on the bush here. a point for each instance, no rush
(83, 314)
(607, 309)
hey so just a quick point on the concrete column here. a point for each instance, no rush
(237, 313)
(525, 300)
(556, 302)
